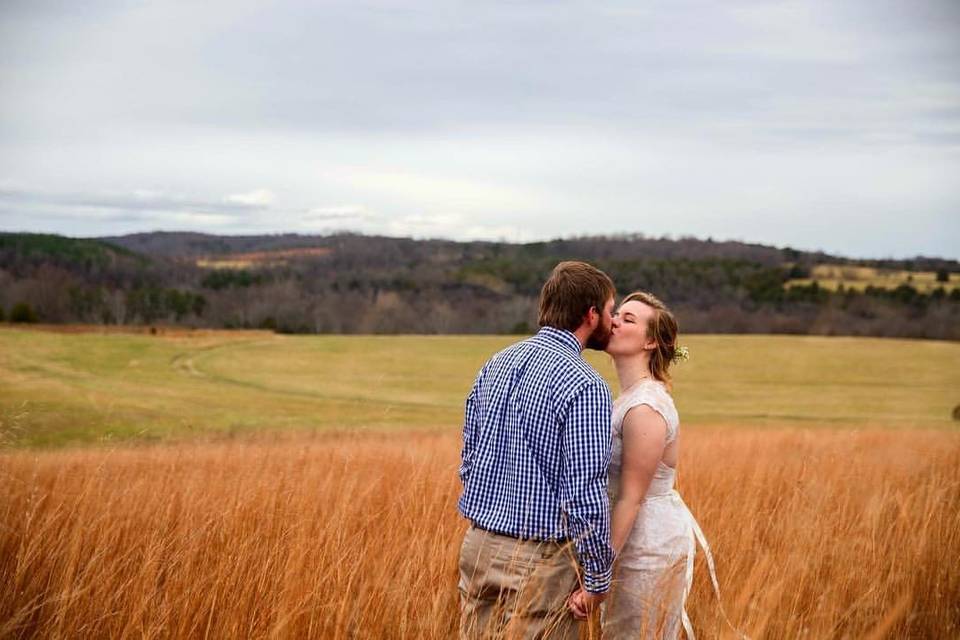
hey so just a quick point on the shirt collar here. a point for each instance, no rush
(562, 337)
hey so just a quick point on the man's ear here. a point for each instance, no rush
(592, 314)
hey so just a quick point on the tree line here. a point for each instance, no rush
(365, 284)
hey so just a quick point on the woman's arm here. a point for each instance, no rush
(644, 439)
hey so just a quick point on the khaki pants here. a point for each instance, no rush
(513, 588)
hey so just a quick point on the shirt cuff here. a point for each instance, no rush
(597, 582)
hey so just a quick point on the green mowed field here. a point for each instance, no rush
(58, 388)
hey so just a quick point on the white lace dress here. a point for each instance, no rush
(654, 570)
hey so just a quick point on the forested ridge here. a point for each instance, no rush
(349, 283)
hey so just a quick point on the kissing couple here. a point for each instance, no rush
(543, 441)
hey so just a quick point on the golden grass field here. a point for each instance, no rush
(287, 487)
(277, 257)
(817, 534)
(854, 277)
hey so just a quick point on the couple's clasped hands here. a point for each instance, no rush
(582, 603)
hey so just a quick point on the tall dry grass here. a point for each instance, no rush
(817, 534)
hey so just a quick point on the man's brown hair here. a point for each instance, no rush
(570, 291)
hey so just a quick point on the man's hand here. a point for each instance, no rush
(582, 603)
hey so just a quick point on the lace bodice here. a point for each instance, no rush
(654, 394)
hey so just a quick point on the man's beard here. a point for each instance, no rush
(600, 337)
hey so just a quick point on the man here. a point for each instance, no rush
(536, 445)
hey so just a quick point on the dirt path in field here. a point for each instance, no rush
(190, 363)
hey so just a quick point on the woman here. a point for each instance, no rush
(652, 531)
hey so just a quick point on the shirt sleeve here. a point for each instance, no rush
(470, 429)
(585, 447)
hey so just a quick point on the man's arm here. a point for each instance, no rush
(586, 455)
(470, 427)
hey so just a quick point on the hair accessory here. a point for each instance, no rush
(680, 354)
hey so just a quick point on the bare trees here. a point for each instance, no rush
(355, 284)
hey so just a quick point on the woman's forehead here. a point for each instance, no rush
(636, 307)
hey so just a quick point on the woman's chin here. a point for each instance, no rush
(617, 349)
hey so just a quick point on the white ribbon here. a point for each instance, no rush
(691, 551)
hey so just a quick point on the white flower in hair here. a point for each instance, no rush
(681, 354)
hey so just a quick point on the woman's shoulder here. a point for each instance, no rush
(654, 394)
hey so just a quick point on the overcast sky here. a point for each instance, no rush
(828, 125)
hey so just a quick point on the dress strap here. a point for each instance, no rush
(702, 539)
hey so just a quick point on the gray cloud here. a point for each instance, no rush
(140, 200)
(783, 122)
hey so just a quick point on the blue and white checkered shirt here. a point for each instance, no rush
(536, 445)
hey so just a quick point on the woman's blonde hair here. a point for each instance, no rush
(663, 328)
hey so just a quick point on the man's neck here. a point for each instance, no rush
(582, 334)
